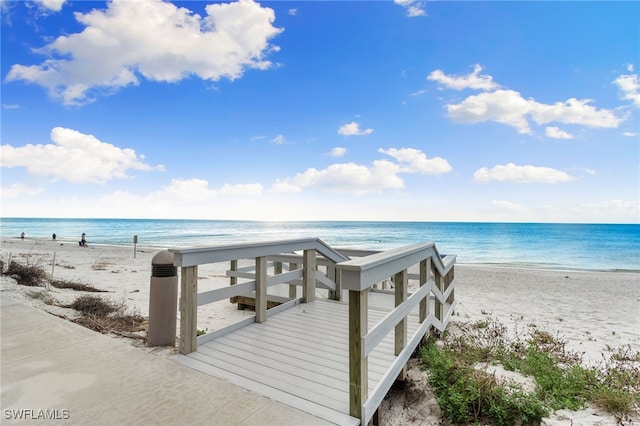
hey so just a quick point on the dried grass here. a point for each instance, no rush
(108, 316)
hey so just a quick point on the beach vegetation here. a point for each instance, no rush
(468, 392)
(108, 316)
(31, 273)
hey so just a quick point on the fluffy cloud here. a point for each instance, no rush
(630, 134)
(54, 5)
(521, 174)
(346, 177)
(510, 108)
(87, 159)
(185, 191)
(154, 40)
(338, 151)
(556, 133)
(413, 160)
(353, 129)
(359, 179)
(414, 8)
(503, 106)
(630, 87)
(470, 81)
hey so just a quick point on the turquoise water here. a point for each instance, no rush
(556, 246)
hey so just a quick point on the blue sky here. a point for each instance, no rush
(332, 110)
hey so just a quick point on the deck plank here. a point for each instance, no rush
(298, 357)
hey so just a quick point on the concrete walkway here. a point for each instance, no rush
(52, 368)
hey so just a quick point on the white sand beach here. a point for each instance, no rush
(592, 311)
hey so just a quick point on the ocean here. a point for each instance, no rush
(608, 247)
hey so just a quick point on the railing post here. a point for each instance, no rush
(400, 292)
(188, 309)
(233, 267)
(337, 278)
(448, 279)
(439, 306)
(293, 289)
(309, 276)
(331, 274)
(358, 363)
(261, 289)
(425, 266)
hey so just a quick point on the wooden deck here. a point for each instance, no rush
(299, 357)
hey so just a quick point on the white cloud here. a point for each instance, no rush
(193, 191)
(19, 190)
(338, 151)
(502, 106)
(621, 211)
(54, 5)
(10, 106)
(510, 206)
(353, 129)
(413, 160)
(279, 139)
(521, 174)
(573, 111)
(359, 179)
(470, 81)
(629, 134)
(418, 92)
(75, 157)
(630, 87)
(293, 12)
(154, 40)
(556, 133)
(510, 108)
(347, 177)
(240, 190)
(414, 8)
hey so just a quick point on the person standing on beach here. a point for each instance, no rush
(22, 236)
(83, 240)
(53, 236)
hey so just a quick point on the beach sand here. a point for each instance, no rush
(592, 311)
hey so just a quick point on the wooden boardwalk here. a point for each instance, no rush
(299, 357)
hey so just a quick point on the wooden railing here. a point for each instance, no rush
(436, 277)
(189, 259)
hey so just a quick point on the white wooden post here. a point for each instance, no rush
(309, 276)
(261, 289)
(358, 364)
(188, 309)
(439, 307)
(425, 265)
(293, 289)
(400, 292)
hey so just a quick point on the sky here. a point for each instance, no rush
(332, 110)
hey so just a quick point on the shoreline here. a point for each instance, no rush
(146, 247)
(592, 307)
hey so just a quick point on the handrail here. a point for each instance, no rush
(184, 257)
(188, 260)
(358, 276)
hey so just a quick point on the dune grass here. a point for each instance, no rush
(467, 393)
